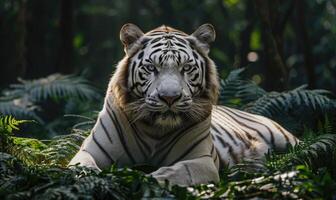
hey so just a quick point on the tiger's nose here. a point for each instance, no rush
(170, 99)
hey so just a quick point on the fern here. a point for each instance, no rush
(17, 109)
(22, 99)
(9, 123)
(62, 148)
(58, 151)
(285, 107)
(314, 152)
(298, 99)
(236, 91)
(53, 86)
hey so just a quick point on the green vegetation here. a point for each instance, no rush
(37, 169)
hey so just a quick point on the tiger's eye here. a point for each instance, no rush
(187, 68)
(150, 68)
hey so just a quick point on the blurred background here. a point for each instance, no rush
(281, 43)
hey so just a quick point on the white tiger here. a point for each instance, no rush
(160, 110)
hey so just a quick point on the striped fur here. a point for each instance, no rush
(160, 110)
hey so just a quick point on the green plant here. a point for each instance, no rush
(7, 125)
(285, 107)
(237, 91)
(22, 99)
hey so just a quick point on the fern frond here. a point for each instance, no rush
(62, 148)
(313, 152)
(237, 91)
(15, 108)
(299, 98)
(8, 123)
(54, 86)
(294, 107)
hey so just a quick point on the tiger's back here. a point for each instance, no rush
(239, 135)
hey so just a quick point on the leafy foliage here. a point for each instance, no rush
(237, 91)
(285, 107)
(314, 152)
(7, 125)
(37, 172)
(22, 99)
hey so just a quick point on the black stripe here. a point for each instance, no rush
(195, 77)
(190, 90)
(140, 55)
(155, 51)
(135, 129)
(249, 136)
(155, 40)
(282, 132)
(212, 149)
(105, 130)
(157, 34)
(141, 74)
(137, 141)
(216, 157)
(226, 132)
(119, 131)
(156, 45)
(147, 87)
(238, 135)
(230, 149)
(181, 40)
(194, 54)
(184, 51)
(144, 42)
(172, 143)
(101, 148)
(180, 45)
(133, 70)
(243, 124)
(202, 71)
(190, 148)
(257, 122)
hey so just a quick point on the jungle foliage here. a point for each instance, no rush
(37, 169)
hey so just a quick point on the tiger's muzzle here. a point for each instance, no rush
(168, 95)
(168, 100)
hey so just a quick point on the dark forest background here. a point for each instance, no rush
(283, 43)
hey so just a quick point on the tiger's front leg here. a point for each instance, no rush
(189, 172)
(83, 158)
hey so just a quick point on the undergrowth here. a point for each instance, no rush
(34, 169)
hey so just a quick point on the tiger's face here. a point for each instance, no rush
(169, 74)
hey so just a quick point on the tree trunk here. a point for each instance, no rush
(245, 36)
(304, 42)
(65, 64)
(276, 70)
(21, 60)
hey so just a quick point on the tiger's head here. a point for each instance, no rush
(166, 76)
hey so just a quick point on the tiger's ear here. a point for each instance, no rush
(205, 34)
(129, 34)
